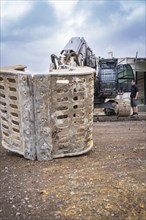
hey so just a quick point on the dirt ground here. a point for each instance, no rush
(107, 183)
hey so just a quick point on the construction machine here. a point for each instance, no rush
(112, 87)
(75, 53)
(111, 82)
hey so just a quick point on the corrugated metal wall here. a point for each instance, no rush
(140, 68)
(140, 84)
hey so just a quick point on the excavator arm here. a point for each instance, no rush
(75, 53)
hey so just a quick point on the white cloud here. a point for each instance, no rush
(77, 21)
(63, 9)
(137, 12)
(13, 10)
(130, 5)
(73, 19)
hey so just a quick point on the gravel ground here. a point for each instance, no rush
(107, 183)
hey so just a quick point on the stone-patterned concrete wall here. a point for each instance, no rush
(17, 115)
(53, 112)
(43, 123)
(72, 114)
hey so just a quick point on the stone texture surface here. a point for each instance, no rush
(43, 124)
(17, 115)
(26, 96)
(47, 116)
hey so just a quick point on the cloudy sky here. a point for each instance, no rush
(31, 30)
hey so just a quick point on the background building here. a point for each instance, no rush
(139, 68)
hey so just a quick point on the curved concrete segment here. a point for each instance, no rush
(47, 116)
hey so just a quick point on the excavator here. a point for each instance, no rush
(111, 81)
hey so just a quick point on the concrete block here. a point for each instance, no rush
(46, 116)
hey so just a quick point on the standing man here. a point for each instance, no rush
(134, 96)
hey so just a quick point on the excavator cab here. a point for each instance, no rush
(107, 80)
(125, 75)
(112, 85)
